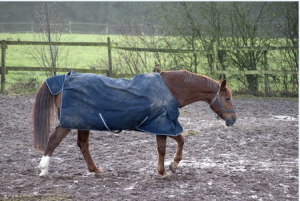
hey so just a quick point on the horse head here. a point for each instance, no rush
(222, 105)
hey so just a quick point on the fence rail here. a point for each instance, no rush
(56, 43)
(33, 69)
(73, 27)
(92, 28)
(257, 72)
(5, 69)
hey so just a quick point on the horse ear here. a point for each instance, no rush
(223, 84)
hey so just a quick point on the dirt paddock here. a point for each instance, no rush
(257, 159)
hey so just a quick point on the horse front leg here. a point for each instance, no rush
(83, 143)
(161, 142)
(178, 156)
(53, 142)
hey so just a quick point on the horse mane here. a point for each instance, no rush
(189, 77)
(190, 87)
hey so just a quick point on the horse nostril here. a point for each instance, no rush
(230, 121)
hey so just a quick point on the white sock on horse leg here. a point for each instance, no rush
(44, 165)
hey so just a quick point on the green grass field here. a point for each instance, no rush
(76, 56)
(123, 62)
(73, 57)
(70, 57)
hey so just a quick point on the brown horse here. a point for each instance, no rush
(186, 87)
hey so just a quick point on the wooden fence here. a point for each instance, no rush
(215, 54)
(32, 27)
(5, 69)
(92, 28)
(74, 27)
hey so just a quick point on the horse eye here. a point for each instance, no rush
(227, 99)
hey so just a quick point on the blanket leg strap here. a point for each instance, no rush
(119, 131)
(142, 122)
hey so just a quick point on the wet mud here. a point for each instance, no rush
(257, 159)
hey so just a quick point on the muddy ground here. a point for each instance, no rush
(257, 159)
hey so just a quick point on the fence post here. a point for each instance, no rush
(266, 75)
(106, 28)
(70, 27)
(195, 61)
(215, 55)
(109, 57)
(3, 51)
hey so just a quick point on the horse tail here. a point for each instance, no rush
(43, 110)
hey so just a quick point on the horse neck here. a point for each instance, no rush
(188, 88)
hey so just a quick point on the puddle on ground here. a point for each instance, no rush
(285, 118)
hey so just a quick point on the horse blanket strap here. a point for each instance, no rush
(97, 102)
(221, 105)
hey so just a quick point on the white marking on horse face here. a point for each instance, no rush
(44, 165)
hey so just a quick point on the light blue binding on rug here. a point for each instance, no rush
(96, 102)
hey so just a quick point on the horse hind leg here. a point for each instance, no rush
(178, 156)
(83, 144)
(161, 142)
(53, 142)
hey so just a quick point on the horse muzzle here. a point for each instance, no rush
(230, 121)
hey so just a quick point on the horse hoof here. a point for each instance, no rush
(165, 175)
(173, 167)
(44, 172)
(98, 173)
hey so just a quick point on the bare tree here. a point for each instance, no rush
(133, 62)
(50, 29)
(201, 24)
(246, 31)
(288, 17)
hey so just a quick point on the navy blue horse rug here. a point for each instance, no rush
(96, 102)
